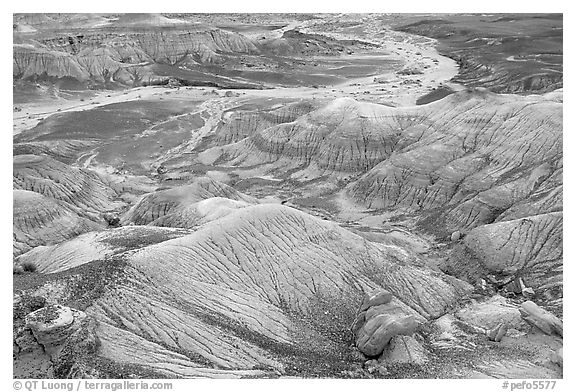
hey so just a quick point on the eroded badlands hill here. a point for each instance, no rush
(333, 229)
(471, 159)
(503, 52)
(54, 201)
(137, 50)
(257, 289)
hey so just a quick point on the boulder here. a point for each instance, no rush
(53, 324)
(388, 308)
(497, 333)
(557, 357)
(541, 318)
(528, 292)
(371, 365)
(455, 236)
(375, 298)
(489, 314)
(444, 328)
(378, 331)
(113, 220)
(358, 322)
(378, 321)
(514, 286)
(404, 350)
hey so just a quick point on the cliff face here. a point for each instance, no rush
(30, 62)
(152, 50)
(123, 56)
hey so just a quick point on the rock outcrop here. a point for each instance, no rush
(527, 248)
(491, 313)
(52, 325)
(497, 333)
(56, 340)
(404, 350)
(378, 321)
(541, 319)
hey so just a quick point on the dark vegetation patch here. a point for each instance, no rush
(84, 283)
(28, 267)
(27, 304)
(93, 281)
(142, 237)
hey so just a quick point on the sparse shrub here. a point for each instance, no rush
(17, 269)
(28, 266)
(34, 303)
(112, 219)
(26, 305)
